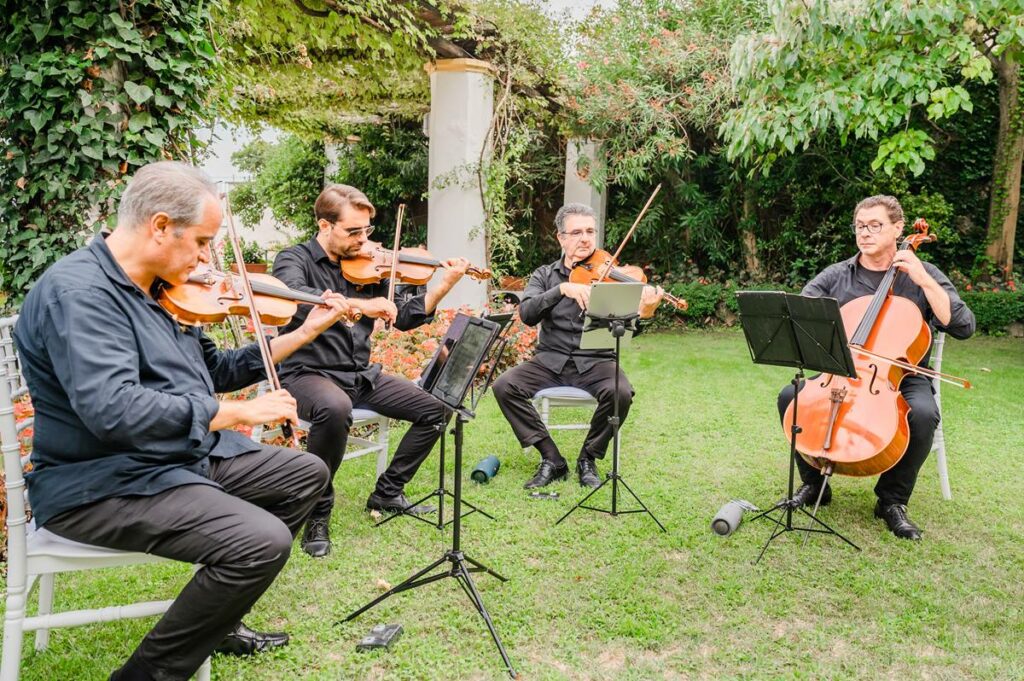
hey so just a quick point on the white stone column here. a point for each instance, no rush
(461, 106)
(577, 187)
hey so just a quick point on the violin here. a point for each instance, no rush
(602, 266)
(858, 426)
(416, 266)
(210, 296)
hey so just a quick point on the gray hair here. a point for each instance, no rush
(572, 209)
(892, 206)
(177, 189)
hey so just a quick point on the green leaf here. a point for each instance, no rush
(156, 137)
(139, 121)
(93, 152)
(139, 93)
(37, 119)
(39, 31)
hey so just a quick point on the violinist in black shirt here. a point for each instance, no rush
(555, 303)
(333, 374)
(133, 451)
(878, 225)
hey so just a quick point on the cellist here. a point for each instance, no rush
(878, 225)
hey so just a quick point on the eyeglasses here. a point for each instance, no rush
(577, 233)
(356, 231)
(873, 227)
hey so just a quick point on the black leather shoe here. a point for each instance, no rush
(806, 495)
(244, 641)
(396, 504)
(586, 469)
(895, 516)
(547, 473)
(316, 539)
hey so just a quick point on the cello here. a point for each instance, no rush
(859, 426)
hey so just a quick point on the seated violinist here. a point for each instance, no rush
(331, 375)
(133, 451)
(555, 303)
(878, 226)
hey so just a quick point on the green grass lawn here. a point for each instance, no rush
(614, 598)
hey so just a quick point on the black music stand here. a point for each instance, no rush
(451, 385)
(430, 375)
(601, 321)
(786, 329)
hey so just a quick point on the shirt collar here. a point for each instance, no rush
(317, 251)
(852, 262)
(559, 266)
(98, 247)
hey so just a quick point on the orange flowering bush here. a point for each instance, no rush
(406, 353)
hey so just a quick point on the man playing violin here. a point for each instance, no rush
(133, 451)
(333, 374)
(878, 226)
(555, 303)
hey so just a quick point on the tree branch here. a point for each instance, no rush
(318, 13)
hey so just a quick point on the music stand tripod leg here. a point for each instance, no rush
(617, 326)
(466, 580)
(440, 493)
(642, 505)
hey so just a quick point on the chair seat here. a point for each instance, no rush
(563, 392)
(43, 545)
(359, 416)
(364, 414)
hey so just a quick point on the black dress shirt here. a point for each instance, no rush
(123, 394)
(847, 280)
(561, 324)
(341, 353)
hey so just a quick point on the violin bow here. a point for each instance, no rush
(913, 368)
(261, 340)
(622, 244)
(394, 254)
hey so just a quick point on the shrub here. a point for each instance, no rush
(712, 304)
(995, 310)
(405, 353)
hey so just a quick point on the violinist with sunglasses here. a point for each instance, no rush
(556, 304)
(333, 374)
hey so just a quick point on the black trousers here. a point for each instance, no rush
(515, 389)
(896, 484)
(328, 408)
(241, 535)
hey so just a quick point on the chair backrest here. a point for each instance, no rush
(14, 480)
(10, 367)
(936, 359)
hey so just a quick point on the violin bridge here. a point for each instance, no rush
(836, 397)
